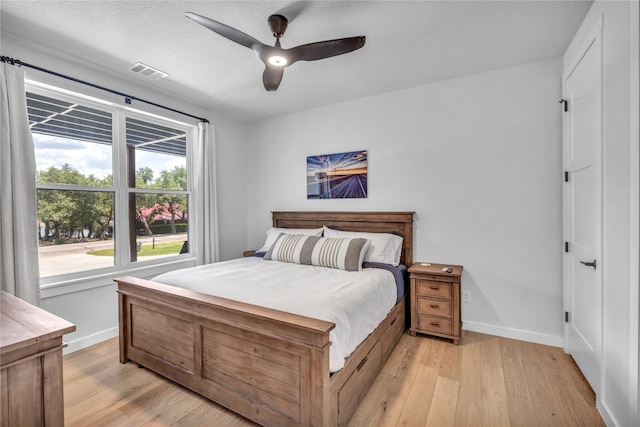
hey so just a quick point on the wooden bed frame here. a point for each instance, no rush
(266, 365)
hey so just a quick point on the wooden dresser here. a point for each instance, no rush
(31, 364)
(435, 300)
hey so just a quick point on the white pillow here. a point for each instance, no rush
(273, 233)
(385, 248)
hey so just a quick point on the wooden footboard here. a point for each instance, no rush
(269, 366)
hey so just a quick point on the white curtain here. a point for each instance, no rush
(207, 236)
(19, 270)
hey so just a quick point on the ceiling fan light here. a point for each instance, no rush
(278, 61)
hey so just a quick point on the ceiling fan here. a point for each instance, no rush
(275, 58)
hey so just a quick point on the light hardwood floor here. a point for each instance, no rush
(486, 380)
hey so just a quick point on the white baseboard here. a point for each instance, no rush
(605, 414)
(90, 340)
(516, 334)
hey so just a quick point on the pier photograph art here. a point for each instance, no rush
(337, 176)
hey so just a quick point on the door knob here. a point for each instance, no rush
(589, 264)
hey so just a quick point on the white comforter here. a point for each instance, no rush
(355, 301)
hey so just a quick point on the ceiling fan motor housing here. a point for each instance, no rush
(278, 25)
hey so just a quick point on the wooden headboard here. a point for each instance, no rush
(400, 223)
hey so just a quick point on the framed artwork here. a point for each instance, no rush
(337, 176)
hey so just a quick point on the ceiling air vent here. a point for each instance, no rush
(148, 72)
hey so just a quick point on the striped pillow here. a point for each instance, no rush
(343, 253)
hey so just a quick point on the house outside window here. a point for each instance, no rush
(113, 186)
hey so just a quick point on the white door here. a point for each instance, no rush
(582, 209)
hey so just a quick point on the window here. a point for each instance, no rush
(113, 185)
(156, 160)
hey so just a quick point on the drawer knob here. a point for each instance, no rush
(434, 305)
(434, 323)
(435, 288)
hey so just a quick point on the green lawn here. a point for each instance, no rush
(169, 248)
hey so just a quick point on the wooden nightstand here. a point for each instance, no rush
(435, 300)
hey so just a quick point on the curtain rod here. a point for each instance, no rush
(127, 98)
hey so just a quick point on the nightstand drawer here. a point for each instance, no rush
(434, 289)
(434, 307)
(434, 324)
(439, 277)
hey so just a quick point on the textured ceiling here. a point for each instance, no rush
(409, 43)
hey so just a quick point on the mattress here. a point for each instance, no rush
(355, 301)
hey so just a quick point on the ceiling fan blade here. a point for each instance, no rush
(325, 49)
(272, 77)
(226, 31)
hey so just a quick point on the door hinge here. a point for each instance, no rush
(566, 104)
(566, 316)
(566, 176)
(566, 246)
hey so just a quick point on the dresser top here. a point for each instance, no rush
(432, 268)
(23, 324)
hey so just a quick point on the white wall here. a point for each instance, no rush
(618, 399)
(479, 161)
(92, 306)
